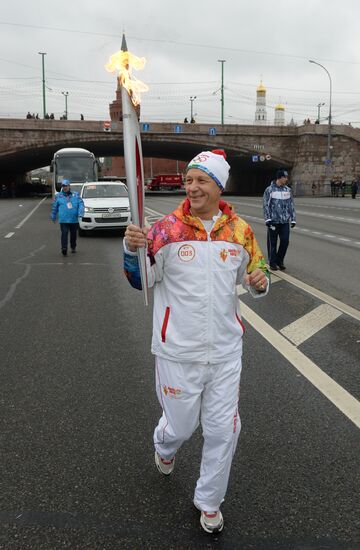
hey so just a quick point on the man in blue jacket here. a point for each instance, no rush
(70, 208)
(279, 212)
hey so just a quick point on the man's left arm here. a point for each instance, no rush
(257, 276)
(292, 210)
(81, 208)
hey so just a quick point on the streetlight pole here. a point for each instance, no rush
(329, 151)
(43, 80)
(192, 99)
(65, 94)
(319, 107)
(222, 61)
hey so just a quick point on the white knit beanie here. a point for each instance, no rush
(214, 164)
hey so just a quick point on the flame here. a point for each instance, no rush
(124, 63)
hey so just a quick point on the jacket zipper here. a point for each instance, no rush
(210, 294)
(165, 324)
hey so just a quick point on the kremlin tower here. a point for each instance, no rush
(279, 119)
(260, 113)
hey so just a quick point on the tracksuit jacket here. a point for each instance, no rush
(66, 214)
(196, 314)
(279, 204)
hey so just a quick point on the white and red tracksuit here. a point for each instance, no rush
(197, 335)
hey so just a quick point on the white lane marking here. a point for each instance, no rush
(30, 214)
(344, 308)
(9, 235)
(309, 324)
(154, 212)
(342, 399)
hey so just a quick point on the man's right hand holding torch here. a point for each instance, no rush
(135, 237)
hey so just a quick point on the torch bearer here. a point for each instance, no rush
(130, 89)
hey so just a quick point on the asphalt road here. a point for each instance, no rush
(78, 406)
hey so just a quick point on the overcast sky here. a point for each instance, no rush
(182, 42)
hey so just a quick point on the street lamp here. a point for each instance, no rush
(319, 107)
(222, 61)
(328, 154)
(43, 80)
(192, 99)
(65, 94)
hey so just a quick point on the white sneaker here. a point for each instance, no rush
(212, 522)
(165, 467)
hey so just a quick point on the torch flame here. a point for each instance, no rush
(124, 63)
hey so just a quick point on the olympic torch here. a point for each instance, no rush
(131, 88)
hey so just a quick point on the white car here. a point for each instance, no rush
(106, 206)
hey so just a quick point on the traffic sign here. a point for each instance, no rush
(177, 129)
(328, 161)
(268, 157)
(262, 158)
(145, 127)
(212, 131)
(255, 158)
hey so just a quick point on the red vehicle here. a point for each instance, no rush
(165, 182)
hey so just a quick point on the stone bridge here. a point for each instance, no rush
(254, 152)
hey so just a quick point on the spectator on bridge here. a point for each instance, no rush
(28, 115)
(192, 121)
(354, 188)
(186, 120)
(69, 207)
(279, 212)
(196, 256)
(52, 116)
(47, 116)
(37, 116)
(81, 117)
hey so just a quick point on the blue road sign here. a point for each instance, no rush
(145, 127)
(255, 158)
(177, 129)
(212, 131)
(328, 161)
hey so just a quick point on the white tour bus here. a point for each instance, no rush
(74, 164)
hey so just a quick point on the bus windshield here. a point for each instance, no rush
(75, 169)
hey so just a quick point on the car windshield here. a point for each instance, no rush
(76, 187)
(104, 191)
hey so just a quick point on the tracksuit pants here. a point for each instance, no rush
(282, 231)
(192, 392)
(65, 229)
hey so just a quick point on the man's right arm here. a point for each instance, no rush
(266, 206)
(135, 238)
(54, 210)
